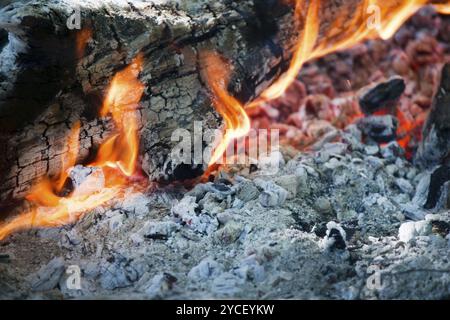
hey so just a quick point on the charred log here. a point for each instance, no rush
(51, 77)
(435, 146)
(437, 181)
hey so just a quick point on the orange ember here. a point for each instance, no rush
(82, 38)
(115, 162)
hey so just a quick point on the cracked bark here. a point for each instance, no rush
(47, 83)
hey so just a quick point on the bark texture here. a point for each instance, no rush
(49, 80)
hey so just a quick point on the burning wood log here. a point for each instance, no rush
(51, 77)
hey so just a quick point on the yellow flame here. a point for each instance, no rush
(116, 159)
(392, 15)
(304, 47)
(121, 151)
(216, 73)
(443, 8)
(393, 20)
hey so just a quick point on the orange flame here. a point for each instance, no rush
(115, 161)
(305, 47)
(124, 94)
(371, 19)
(443, 8)
(237, 123)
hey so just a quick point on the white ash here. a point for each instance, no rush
(163, 229)
(86, 180)
(310, 230)
(411, 229)
(136, 203)
(159, 286)
(205, 270)
(186, 211)
(272, 195)
(270, 164)
(392, 151)
(48, 276)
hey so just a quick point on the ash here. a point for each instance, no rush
(332, 224)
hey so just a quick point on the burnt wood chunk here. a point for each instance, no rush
(435, 146)
(437, 180)
(381, 95)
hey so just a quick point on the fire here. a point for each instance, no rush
(305, 47)
(121, 151)
(115, 162)
(237, 123)
(371, 19)
(116, 159)
(392, 15)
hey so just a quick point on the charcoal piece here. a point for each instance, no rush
(379, 128)
(435, 145)
(339, 241)
(438, 178)
(221, 187)
(382, 95)
(4, 258)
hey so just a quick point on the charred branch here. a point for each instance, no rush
(51, 77)
(435, 146)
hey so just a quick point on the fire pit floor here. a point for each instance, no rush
(327, 225)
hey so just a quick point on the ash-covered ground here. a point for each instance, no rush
(344, 220)
(329, 225)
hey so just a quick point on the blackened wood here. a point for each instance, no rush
(48, 82)
(435, 145)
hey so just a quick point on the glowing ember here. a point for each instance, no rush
(116, 159)
(392, 15)
(372, 19)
